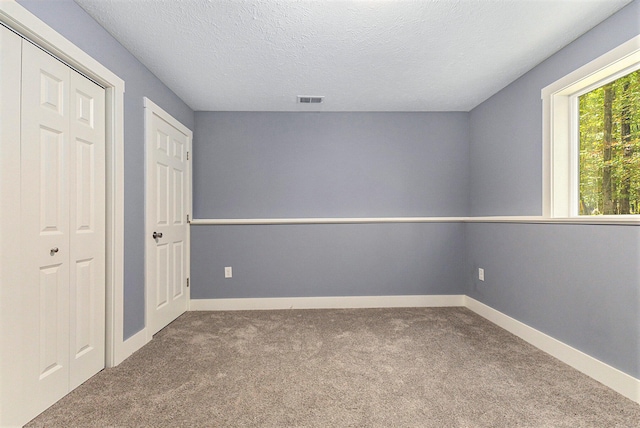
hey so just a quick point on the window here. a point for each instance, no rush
(592, 138)
(609, 146)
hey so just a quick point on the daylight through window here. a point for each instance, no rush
(609, 137)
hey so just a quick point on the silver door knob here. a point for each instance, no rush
(157, 235)
(54, 250)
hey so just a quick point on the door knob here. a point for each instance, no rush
(157, 235)
(54, 250)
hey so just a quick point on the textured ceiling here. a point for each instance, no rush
(362, 55)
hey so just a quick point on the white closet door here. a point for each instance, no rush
(87, 228)
(45, 210)
(63, 206)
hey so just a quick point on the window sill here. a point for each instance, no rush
(602, 219)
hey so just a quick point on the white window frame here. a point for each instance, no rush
(560, 128)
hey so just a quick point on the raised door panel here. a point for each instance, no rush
(162, 281)
(45, 227)
(178, 260)
(87, 228)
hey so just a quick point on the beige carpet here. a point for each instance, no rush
(434, 367)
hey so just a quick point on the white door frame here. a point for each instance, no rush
(150, 109)
(28, 25)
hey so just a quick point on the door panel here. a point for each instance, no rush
(84, 298)
(85, 186)
(167, 189)
(45, 222)
(162, 276)
(178, 269)
(53, 92)
(162, 180)
(178, 197)
(51, 359)
(52, 180)
(87, 228)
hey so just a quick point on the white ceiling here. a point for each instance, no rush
(362, 55)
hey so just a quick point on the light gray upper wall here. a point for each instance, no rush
(68, 19)
(506, 130)
(254, 165)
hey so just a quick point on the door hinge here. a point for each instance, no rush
(187, 282)
(187, 155)
(188, 221)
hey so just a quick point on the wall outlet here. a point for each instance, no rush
(481, 274)
(228, 272)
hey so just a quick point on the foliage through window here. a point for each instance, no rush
(609, 136)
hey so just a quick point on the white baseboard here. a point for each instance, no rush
(613, 378)
(131, 345)
(346, 302)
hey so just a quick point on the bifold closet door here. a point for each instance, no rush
(87, 229)
(62, 171)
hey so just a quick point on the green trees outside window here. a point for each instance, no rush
(610, 148)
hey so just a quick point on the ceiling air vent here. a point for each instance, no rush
(309, 99)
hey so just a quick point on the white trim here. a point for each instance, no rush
(133, 344)
(325, 220)
(11, 256)
(115, 227)
(611, 377)
(24, 22)
(160, 112)
(345, 302)
(594, 220)
(559, 163)
(620, 220)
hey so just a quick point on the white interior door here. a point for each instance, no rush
(63, 216)
(168, 202)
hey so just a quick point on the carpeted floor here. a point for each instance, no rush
(433, 367)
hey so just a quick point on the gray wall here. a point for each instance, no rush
(274, 165)
(254, 165)
(327, 260)
(578, 283)
(68, 19)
